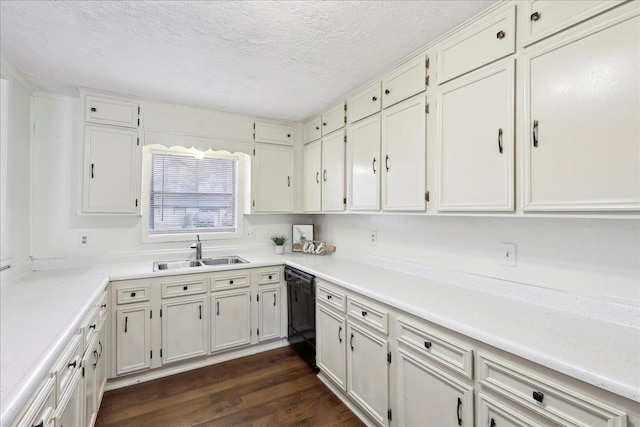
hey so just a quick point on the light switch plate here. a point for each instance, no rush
(508, 254)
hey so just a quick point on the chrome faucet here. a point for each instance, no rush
(198, 247)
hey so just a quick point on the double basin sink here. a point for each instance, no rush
(204, 262)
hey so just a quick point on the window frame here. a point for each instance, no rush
(182, 236)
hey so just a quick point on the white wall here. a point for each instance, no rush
(57, 158)
(16, 172)
(595, 256)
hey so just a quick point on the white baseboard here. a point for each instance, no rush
(116, 383)
(348, 403)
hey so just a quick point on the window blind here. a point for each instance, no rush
(189, 194)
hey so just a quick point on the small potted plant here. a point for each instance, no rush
(279, 241)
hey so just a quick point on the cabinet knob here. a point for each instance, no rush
(288, 135)
(375, 98)
(93, 327)
(329, 296)
(269, 277)
(72, 365)
(500, 35)
(538, 396)
(535, 16)
(427, 344)
(492, 423)
(133, 294)
(93, 109)
(231, 282)
(103, 306)
(387, 91)
(324, 123)
(185, 288)
(317, 127)
(364, 313)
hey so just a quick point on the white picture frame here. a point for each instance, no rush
(301, 233)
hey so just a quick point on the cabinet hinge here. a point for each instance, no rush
(250, 332)
(254, 151)
(426, 80)
(254, 203)
(344, 201)
(138, 143)
(426, 108)
(389, 357)
(426, 196)
(426, 63)
(345, 138)
(345, 117)
(345, 107)
(150, 354)
(258, 297)
(160, 312)
(160, 352)
(138, 121)
(150, 314)
(254, 126)
(83, 372)
(258, 332)
(389, 414)
(136, 203)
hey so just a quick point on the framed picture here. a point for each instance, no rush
(301, 233)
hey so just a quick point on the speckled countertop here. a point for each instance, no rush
(40, 311)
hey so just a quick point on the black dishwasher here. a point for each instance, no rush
(301, 298)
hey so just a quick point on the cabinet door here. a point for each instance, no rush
(272, 178)
(230, 319)
(363, 145)
(184, 329)
(477, 159)
(491, 413)
(333, 172)
(273, 133)
(333, 119)
(582, 122)
(89, 366)
(101, 369)
(429, 396)
(331, 346)
(365, 103)
(133, 339)
(403, 161)
(313, 129)
(312, 162)
(368, 372)
(114, 112)
(110, 170)
(404, 81)
(270, 309)
(69, 413)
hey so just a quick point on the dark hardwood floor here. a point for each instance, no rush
(275, 388)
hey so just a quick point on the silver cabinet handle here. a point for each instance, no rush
(373, 165)
(351, 342)
(339, 332)
(386, 162)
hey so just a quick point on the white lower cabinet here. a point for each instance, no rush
(70, 409)
(101, 369)
(89, 377)
(492, 413)
(230, 319)
(430, 396)
(270, 311)
(133, 339)
(368, 372)
(331, 345)
(184, 328)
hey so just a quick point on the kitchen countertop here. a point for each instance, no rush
(41, 310)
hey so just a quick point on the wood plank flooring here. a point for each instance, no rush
(275, 388)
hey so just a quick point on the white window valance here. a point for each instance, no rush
(170, 139)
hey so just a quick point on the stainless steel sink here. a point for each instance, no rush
(225, 260)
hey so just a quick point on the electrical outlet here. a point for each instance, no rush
(83, 240)
(373, 237)
(508, 254)
(251, 233)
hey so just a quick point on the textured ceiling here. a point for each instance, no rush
(280, 59)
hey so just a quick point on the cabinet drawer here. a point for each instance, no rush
(367, 102)
(90, 327)
(333, 119)
(405, 81)
(449, 353)
(313, 129)
(111, 111)
(492, 413)
(133, 294)
(67, 365)
(543, 18)
(42, 406)
(331, 298)
(555, 402)
(491, 38)
(187, 287)
(102, 305)
(269, 276)
(229, 281)
(273, 133)
(376, 318)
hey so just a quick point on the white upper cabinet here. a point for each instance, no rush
(477, 158)
(543, 18)
(334, 119)
(403, 160)
(312, 159)
(582, 120)
(110, 111)
(491, 38)
(272, 175)
(273, 133)
(363, 145)
(110, 177)
(333, 165)
(405, 80)
(365, 103)
(313, 129)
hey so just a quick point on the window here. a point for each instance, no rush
(188, 194)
